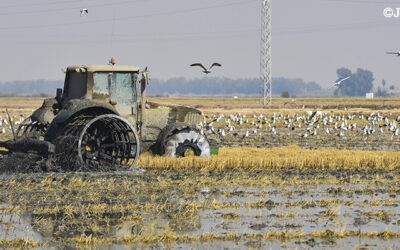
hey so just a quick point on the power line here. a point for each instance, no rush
(306, 29)
(158, 34)
(70, 8)
(131, 18)
(282, 31)
(363, 1)
(46, 4)
(42, 4)
(215, 34)
(105, 39)
(331, 28)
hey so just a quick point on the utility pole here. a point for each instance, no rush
(265, 60)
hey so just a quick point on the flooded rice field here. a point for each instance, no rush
(202, 209)
(255, 197)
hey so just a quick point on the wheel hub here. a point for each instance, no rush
(188, 151)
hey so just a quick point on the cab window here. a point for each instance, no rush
(76, 84)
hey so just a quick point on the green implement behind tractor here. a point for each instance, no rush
(102, 117)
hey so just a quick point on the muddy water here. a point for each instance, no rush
(212, 209)
(14, 226)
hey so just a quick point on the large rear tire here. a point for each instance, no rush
(105, 142)
(109, 139)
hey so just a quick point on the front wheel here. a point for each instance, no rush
(187, 142)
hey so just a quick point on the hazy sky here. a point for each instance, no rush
(311, 38)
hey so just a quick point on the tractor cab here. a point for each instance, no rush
(109, 84)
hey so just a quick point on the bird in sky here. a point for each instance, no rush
(84, 11)
(394, 53)
(339, 82)
(206, 71)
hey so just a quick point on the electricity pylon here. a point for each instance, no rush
(265, 62)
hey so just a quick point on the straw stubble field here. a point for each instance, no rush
(243, 197)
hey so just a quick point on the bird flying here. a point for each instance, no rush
(205, 70)
(394, 53)
(339, 82)
(84, 11)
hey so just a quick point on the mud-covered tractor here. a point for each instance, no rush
(102, 117)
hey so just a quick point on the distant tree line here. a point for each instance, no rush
(382, 91)
(227, 86)
(360, 83)
(31, 88)
(180, 86)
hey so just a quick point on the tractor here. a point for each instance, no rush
(102, 117)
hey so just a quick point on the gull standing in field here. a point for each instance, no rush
(84, 11)
(205, 70)
(339, 82)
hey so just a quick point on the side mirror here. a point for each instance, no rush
(59, 95)
(146, 76)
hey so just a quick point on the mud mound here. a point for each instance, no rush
(33, 163)
(21, 163)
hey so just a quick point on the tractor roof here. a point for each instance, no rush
(100, 68)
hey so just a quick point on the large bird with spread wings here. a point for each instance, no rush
(339, 82)
(394, 53)
(205, 70)
(84, 11)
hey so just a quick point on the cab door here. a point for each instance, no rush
(122, 91)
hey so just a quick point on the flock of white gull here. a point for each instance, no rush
(5, 125)
(308, 124)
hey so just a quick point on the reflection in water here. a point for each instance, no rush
(16, 226)
(169, 209)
